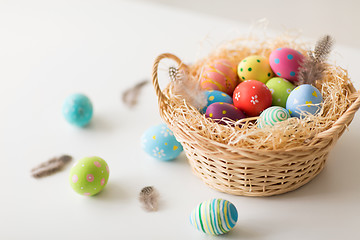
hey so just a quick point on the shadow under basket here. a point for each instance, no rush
(246, 171)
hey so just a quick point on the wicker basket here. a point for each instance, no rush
(250, 172)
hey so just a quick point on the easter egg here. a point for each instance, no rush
(215, 217)
(280, 89)
(219, 75)
(89, 175)
(219, 111)
(159, 142)
(214, 96)
(272, 115)
(252, 97)
(285, 63)
(77, 109)
(255, 68)
(304, 99)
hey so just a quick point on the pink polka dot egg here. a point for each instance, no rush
(89, 176)
(285, 63)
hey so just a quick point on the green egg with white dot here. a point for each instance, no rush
(89, 176)
(280, 89)
(273, 115)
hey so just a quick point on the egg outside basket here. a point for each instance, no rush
(240, 169)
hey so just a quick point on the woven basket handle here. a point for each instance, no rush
(340, 125)
(161, 97)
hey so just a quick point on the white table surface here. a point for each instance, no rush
(49, 50)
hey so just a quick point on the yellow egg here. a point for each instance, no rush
(255, 68)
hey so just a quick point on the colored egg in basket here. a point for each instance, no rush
(280, 89)
(220, 110)
(77, 110)
(159, 142)
(252, 97)
(285, 63)
(304, 99)
(89, 175)
(255, 68)
(273, 115)
(214, 96)
(215, 217)
(219, 75)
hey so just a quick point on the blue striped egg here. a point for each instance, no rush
(304, 99)
(159, 142)
(214, 96)
(272, 115)
(215, 217)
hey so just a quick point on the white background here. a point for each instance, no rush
(338, 18)
(49, 50)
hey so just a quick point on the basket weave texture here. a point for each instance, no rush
(243, 170)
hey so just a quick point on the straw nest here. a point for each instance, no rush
(240, 158)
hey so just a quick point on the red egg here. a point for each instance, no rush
(252, 97)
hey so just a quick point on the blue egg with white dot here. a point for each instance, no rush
(160, 143)
(303, 100)
(77, 109)
(214, 96)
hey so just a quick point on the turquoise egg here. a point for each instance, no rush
(272, 115)
(77, 110)
(215, 217)
(304, 99)
(214, 96)
(159, 142)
